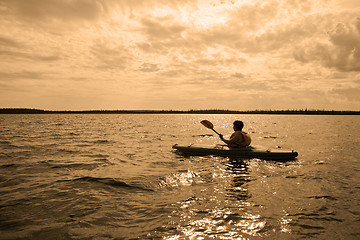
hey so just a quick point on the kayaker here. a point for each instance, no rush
(239, 138)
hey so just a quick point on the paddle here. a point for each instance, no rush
(209, 125)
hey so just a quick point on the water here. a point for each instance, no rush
(115, 177)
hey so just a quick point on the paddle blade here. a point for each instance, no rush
(207, 124)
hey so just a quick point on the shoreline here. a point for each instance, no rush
(278, 112)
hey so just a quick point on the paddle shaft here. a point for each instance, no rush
(215, 131)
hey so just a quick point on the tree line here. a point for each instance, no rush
(192, 111)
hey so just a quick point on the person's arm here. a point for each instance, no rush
(233, 139)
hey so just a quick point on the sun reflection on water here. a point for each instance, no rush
(204, 216)
(221, 224)
(285, 223)
(186, 178)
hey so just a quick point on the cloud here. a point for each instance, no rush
(238, 75)
(350, 93)
(263, 26)
(346, 4)
(149, 67)
(64, 10)
(23, 75)
(14, 49)
(30, 56)
(8, 42)
(163, 28)
(341, 50)
(109, 54)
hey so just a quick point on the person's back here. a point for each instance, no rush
(238, 138)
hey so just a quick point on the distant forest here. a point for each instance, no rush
(210, 111)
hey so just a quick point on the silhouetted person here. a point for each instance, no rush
(239, 138)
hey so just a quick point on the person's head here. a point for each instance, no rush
(238, 125)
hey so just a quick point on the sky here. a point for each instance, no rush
(180, 54)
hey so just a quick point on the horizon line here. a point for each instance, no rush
(191, 111)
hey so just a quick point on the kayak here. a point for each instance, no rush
(244, 152)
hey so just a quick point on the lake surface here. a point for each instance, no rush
(116, 177)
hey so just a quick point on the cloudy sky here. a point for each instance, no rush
(180, 54)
